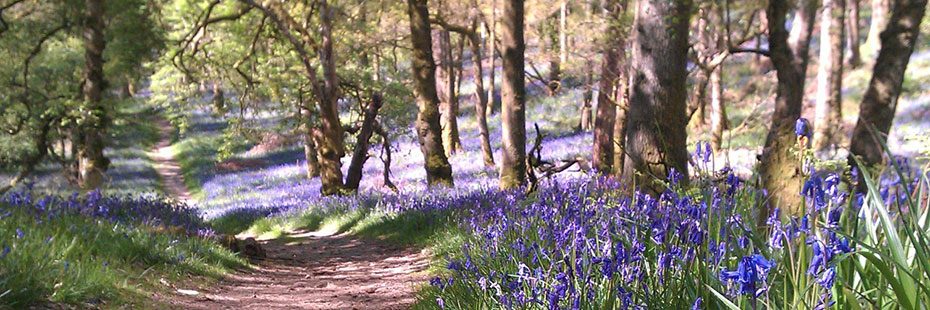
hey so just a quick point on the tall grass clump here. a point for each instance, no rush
(91, 250)
(592, 244)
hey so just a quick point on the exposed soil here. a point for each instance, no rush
(316, 271)
(168, 169)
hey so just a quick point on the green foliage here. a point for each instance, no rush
(81, 261)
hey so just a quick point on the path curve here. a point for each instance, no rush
(168, 169)
(309, 270)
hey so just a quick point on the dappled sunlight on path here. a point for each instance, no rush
(168, 169)
(310, 270)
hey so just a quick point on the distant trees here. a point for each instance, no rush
(429, 133)
(828, 120)
(513, 101)
(59, 60)
(656, 125)
(881, 97)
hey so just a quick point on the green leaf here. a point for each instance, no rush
(730, 305)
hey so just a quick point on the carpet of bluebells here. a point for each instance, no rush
(583, 244)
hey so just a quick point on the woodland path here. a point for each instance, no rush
(303, 270)
(168, 169)
(313, 270)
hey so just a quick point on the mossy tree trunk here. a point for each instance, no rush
(429, 132)
(656, 125)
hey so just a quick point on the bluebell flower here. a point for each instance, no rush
(20, 234)
(6, 250)
(697, 303)
(802, 128)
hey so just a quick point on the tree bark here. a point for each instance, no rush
(429, 133)
(492, 57)
(481, 102)
(718, 117)
(852, 38)
(606, 111)
(880, 100)
(330, 146)
(513, 99)
(91, 161)
(877, 24)
(656, 129)
(587, 121)
(828, 119)
(446, 90)
(360, 154)
(801, 28)
(619, 135)
(779, 164)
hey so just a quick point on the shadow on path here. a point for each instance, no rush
(311, 270)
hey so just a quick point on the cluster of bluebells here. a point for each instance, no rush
(582, 243)
(152, 211)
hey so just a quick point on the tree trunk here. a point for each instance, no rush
(619, 136)
(91, 161)
(446, 90)
(429, 133)
(563, 35)
(606, 111)
(513, 99)
(360, 154)
(492, 57)
(552, 37)
(877, 24)
(801, 28)
(481, 103)
(329, 145)
(306, 129)
(656, 129)
(828, 121)
(852, 38)
(718, 117)
(779, 165)
(587, 121)
(219, 99)
(880, 100)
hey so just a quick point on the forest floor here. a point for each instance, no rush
(168, 169)
(303, 269)
(317, 270)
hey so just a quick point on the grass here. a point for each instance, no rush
(87, 262)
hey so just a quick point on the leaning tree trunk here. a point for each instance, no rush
(656, 129)
(828, 121)
(306, 130)
(877, 24)
(880, 100)
(513, 102)
(801, 27)
(92, 164)
(854, 60)
(429, 133)
(606, 111)
(481, 104)
(779, 165)
(360, 154)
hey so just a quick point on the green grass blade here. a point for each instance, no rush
(730, 305)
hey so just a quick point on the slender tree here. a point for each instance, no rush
(429, 133)
(828, 120)
(881, 98)
(779, 165)
(610, 84)
(877, 24)
(513, 101)
(854, 60)
(92, 163)
(656, 125)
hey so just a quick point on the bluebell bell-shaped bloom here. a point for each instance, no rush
(802, 128)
